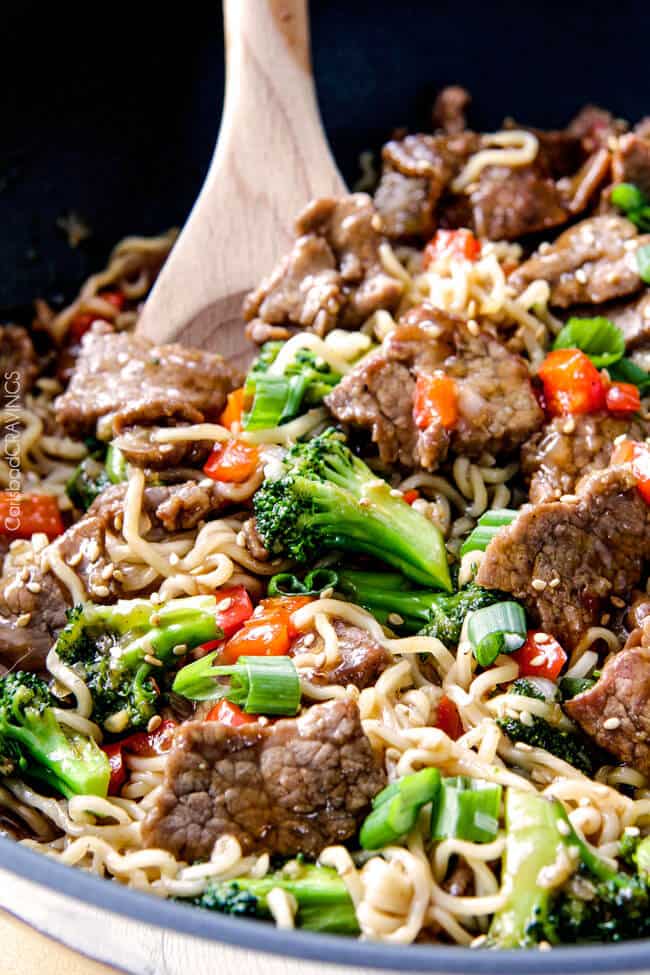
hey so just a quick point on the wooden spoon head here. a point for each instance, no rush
(220, 327)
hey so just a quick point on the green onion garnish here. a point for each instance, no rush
(496, 629)
(276, 400)
(396, 808)
(259, 685)
(314, 583)
(643, 262)
(597, 337)
(487, 527)
(115, 464)
(627, 371)
(627, 197)
(467, 809)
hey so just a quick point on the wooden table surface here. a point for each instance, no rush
(25, 952)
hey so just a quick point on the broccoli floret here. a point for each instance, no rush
(386, 593)
(326, 498)
(527, 689)
(605, 904)
(36, 744)
(323, 901)
(111, 648)
(570, 746)
(87, 481)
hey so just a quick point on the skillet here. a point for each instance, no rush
(114, 119)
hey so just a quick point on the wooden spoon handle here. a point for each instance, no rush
(271, 159)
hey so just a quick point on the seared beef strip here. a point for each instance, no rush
(292, 787)
(596, 127)
(123, 380)
(497, 408)
(631, 162)
(558, 455)
(333, 274)
(615, 712)
(565, 559)
(170, 508)
(18, 361)
(450, 109)
(361, 659)
(592, 262)
(633, 319)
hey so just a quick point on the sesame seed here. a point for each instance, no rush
(174, 559)
(154, 619)
(364, 502)
(539, 585)
(569, 425)
(632, 831)
(241, 539)
(563, 828)
(119, 521)
(75, 559)
(92, 551)
(568, 498)
(118, 575)
(376, 223)
(555, 582)
(395, 618)
(148, 658)
(611, 724)
(544, 946)
(24, 575)
(396, 493)
(180, 650)
(101, 591)
(206, 482)
(538, 660)
(224, 604)
(155, 598)
(629, 245)
(308, 639)
(478, 941)
(107, 571)
(472, 327)
(154, 722)
(34, 587)
(24, 619)
(581, 275)
(541, 638)
(618, 602)
(622, 437)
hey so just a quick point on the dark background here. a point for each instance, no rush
(112, 111)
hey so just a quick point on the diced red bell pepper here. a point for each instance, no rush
(22, 515)
(232, 615)
(448, 718)
(572, 384)
(234, 409)
(638, 455)
(116, 761)
(231, 714)
(411, 495)
(540, 656)
(435, 399)
(623, 398)
(459, 244)
(268, 632)
(232, 461)
(115, 298)
(80, 325)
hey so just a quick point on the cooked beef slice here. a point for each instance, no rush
(136, 425)
(291, 787)
(32, 611)
(620, 697)
(497, 408)
(558, 455)
(122, 380)
(333, 274)
(170, 508)
(595, 127)
(450, 110)
(509, 202)
(633, 319)
(254, 544)
(416, 172)
(592, 262)
(360, 662)
(631, 162)
(565, 559)
(18, 361)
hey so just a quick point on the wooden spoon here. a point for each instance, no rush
(271, 159)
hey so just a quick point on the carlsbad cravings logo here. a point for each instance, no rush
(11, 429)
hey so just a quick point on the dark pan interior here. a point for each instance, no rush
(112, 113)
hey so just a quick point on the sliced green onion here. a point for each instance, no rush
(598, 338)
(314, 583)
(487, 527)
(627, 371)
(276, 399)
(496, 629)
(627, 197)
(259, 685)
(467, 809)
(643, 262)
(396, 808)
(115, 464)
